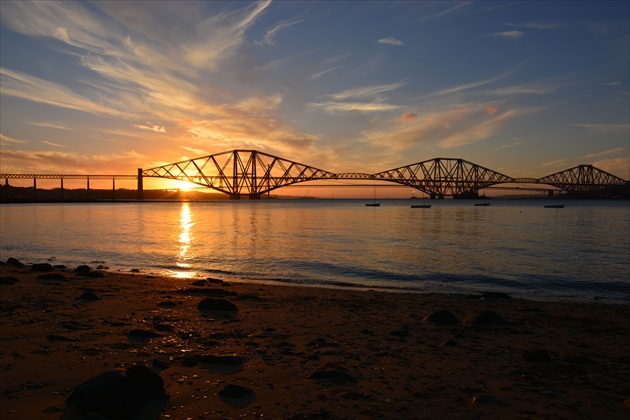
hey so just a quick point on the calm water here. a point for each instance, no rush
(514, 246)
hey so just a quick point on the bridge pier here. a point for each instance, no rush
(250, 196)
(140, 191)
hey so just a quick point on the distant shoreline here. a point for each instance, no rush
(290, 198)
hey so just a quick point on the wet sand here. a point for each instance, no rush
(308, 353)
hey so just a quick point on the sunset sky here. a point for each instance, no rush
(523, 88)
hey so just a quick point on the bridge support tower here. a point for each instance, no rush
(140, 190)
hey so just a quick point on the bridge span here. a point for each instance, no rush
(251, 173)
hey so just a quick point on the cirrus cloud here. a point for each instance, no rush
(390, 41)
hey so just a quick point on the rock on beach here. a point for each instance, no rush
(118, 394)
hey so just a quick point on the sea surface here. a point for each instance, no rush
(580, 252)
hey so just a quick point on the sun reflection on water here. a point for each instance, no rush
(185, 239)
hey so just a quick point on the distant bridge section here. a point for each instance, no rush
(443, 177)
(587, 181)
(250, 173)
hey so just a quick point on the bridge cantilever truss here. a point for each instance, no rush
(586, 181)
(442, 177)
(239, 172)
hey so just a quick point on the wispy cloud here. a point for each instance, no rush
(390, 41)
(195, 151)
(536, 25)
(531, 89)
(34, 89)
(336, 59)
(604, 127)
(606, 152)
(446, 12)
(618, 166)
(447, 128)
(463, 87)
(55, 125)
(366, 91)
(273, 65)
(509, 34)
(332, 107)
(559, 163)
(150, 66)
(271, 34)
(321, 73)
(26, 161)
(7, 139)
(480, 131)
(151, 127)
(50, 143)
(505, 146)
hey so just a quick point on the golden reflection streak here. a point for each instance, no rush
(185, 239)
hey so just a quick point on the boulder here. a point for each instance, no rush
(441, 317)
(118, 394)
(14, 262)
(42, 267)
(82, 270)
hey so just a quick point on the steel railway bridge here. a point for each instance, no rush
(251, 173)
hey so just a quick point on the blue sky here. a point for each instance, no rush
(524, 88)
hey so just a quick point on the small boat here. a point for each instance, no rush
(482, 204)
(554, 206)
(421, 206)
(374, 204)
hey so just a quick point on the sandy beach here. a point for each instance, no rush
(287, 352)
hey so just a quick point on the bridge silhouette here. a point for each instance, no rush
(251, 173)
